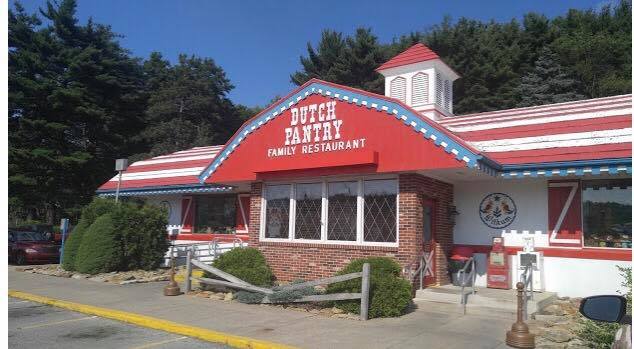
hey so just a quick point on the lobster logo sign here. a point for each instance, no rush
(497, 210)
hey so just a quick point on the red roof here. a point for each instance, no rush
(589, 129)
(177, 169)
(415, 54)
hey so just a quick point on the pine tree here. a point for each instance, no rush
(74, 107)
(548, 83)
(189, 106)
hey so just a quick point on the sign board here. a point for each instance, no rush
(528, 259)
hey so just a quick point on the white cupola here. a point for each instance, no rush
(420, 79)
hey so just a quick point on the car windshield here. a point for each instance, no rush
(30, 236)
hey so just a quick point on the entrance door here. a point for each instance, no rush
(429, 242)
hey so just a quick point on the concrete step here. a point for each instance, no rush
(492, 299)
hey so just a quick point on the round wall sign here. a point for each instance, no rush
(497, 210)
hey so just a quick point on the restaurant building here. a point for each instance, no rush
(331, 173)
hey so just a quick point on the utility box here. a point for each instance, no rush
(534, 260)
(498, 266)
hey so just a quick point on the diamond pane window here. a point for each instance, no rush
(277, 211)
(308, 211)
(342, 211)
(379, 216)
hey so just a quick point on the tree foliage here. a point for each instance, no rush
(78, 101)
(588, 51)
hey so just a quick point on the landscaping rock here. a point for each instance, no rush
(577, 344)
(78, 276)
(97, 279)
(557, 335)
(552, 318)
(128, 282)
(228, 296)
(336, 310)
(554, 309)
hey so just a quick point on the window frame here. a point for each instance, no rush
(583, 228)
(324, 212)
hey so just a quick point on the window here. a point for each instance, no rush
(360, 211)
(380, 210)
(420, 89)
(342, 211)
(607, 213)
(215, 214)
(308, 211)
(277, 211)
(397, 88)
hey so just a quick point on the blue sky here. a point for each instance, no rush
(258, 43)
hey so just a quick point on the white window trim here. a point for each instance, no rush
(324, 213)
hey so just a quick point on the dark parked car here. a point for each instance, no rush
(27, 247)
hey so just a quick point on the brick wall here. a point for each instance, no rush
(310, 261)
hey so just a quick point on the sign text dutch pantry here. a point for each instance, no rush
(313, 129)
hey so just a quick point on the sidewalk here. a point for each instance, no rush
(432, 325)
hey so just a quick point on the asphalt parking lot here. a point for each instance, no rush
(34, 325)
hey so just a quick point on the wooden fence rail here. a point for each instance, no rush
(236, 283)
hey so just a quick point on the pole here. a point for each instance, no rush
(519, 335)
(365, 291)
(116, 195)
(188, 271)
(64, 228)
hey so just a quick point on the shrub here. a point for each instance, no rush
(249, 297)
(100, 250)
(597, 334)
(389, 294)
(245, 263)
(96, 208)
(71, 245)
(143, 236)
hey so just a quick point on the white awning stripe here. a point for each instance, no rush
(176, 155)
(172, 159)
(181, 172)
(536, 121)
(556, 141)
(598, 103)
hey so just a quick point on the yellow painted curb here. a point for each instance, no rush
(154, 323)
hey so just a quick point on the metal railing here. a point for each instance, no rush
(464, 276)
(420, 270)
(212, 248)
(527, 280)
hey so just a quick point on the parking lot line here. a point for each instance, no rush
(154, 323)
(154, 344)
(57, 322)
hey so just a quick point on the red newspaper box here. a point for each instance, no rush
(498, 269)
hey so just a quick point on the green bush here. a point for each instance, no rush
(245, 263)
(597, 334)
(389, 293)
(100, 250)
(71, 245)
(249, 297)
(143, 236)
(98, 207)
